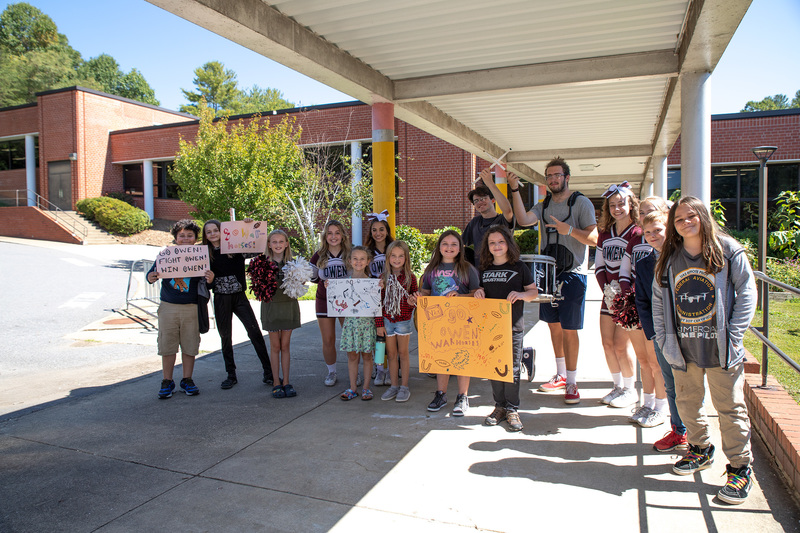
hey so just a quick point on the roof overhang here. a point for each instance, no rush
(595, 81)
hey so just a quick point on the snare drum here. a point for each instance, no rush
(543, 268)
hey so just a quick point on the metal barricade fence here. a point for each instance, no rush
(152, 291)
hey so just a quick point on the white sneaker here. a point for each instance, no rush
(654, 418)
(639, 414)
(330, 381)
(616, 391)
(626, 399)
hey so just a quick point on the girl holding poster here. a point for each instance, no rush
(450, 274)
(358, 332)
(399, 297)
(229, 287)
(280, 316)
(379, 236)
(504, 276)
(329, 262)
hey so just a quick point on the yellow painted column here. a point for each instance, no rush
(501, 182)
(383, 193)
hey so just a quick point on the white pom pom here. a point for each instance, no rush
(296, 273)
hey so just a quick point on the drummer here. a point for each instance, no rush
(483, 197)
(570, 227)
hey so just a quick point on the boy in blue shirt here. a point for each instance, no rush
(178, 324)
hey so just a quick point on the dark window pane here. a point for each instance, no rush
(5, 156)
(17, 153)
(749, 215)
(133, 180)
(781, 178)
(723, 182)
(171, 187)
(749, 182)
(730, 213)
(673, 181)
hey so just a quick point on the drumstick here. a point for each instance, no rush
(497, 161)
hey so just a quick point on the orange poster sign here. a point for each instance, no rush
(465, 337)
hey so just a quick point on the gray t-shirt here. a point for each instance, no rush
(695, 310)
(582, 217)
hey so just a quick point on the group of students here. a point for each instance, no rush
(694, 290)
(695, 295)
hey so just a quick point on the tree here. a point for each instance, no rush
(40, 70)
(261, 171)
(111, 79)
(133, 85)
(258, 100)
(216, 88)
(779, 101)
(796, 99)
(24, 28)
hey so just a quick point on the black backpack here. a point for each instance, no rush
(565, 260)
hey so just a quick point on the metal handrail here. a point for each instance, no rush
(762, 333)
(49, 209)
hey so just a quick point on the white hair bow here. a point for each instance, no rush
(383, 215)
(624, 189)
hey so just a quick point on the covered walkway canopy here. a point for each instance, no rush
(599, 82)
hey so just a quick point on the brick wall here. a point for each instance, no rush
(19, 121)
(11, 180)
(30, 223)
(732, 139)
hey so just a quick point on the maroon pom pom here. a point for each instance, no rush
(623, 310)
(263, 275)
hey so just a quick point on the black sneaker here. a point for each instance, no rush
(461, 406)
(167, 386)
(696, 459)
(229, 382)
(439, 401)
(268, 379)
(188, 386)
(497, 416)
(738, 486)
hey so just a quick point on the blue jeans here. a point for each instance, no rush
(507, 394)
(669, 385)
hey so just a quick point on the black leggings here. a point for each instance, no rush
(227, 305)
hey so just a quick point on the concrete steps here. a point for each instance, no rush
(96, 234)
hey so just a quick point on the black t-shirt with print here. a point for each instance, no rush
(499, 280)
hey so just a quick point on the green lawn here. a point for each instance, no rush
(784, 331)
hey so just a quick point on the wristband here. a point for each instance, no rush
(514, 190)
(570, 231)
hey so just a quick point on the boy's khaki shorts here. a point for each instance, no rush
(178, 327)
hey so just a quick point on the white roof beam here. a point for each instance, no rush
(643, 65)
(599, 152)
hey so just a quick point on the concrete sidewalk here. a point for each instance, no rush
(117, 459)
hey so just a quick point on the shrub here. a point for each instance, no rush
(88, 206)
(430, 241)
(784, 270)
(416, 245)
(118, 217)
(528, 241)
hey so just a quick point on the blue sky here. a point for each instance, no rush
(167, 49)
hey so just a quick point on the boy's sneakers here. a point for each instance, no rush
(608, 398)
(627, 398)
(671, 441)
(403, 394)
(639, 414)
(330, 380)
(461, 406)
(229, 382)
(439, 401)
(654, 418)
(738, 486)
(390, 394)
(555, 384)
(497, 416)
(167, 386)
(571, 394)
(696, 459)
(514, 423)
(188, 386)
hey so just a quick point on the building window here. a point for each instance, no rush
(12, 154)
(163, 185)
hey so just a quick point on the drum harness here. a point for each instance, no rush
(555, 248)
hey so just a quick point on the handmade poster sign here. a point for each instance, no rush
(190, 261)
(465, 337)
(354, 297)
(240, 237)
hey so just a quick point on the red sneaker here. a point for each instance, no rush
(670, 442)
(555, 384)
(571, 395)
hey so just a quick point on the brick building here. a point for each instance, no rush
(77, 143)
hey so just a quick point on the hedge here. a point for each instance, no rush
(117, 216)
(88, 206)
